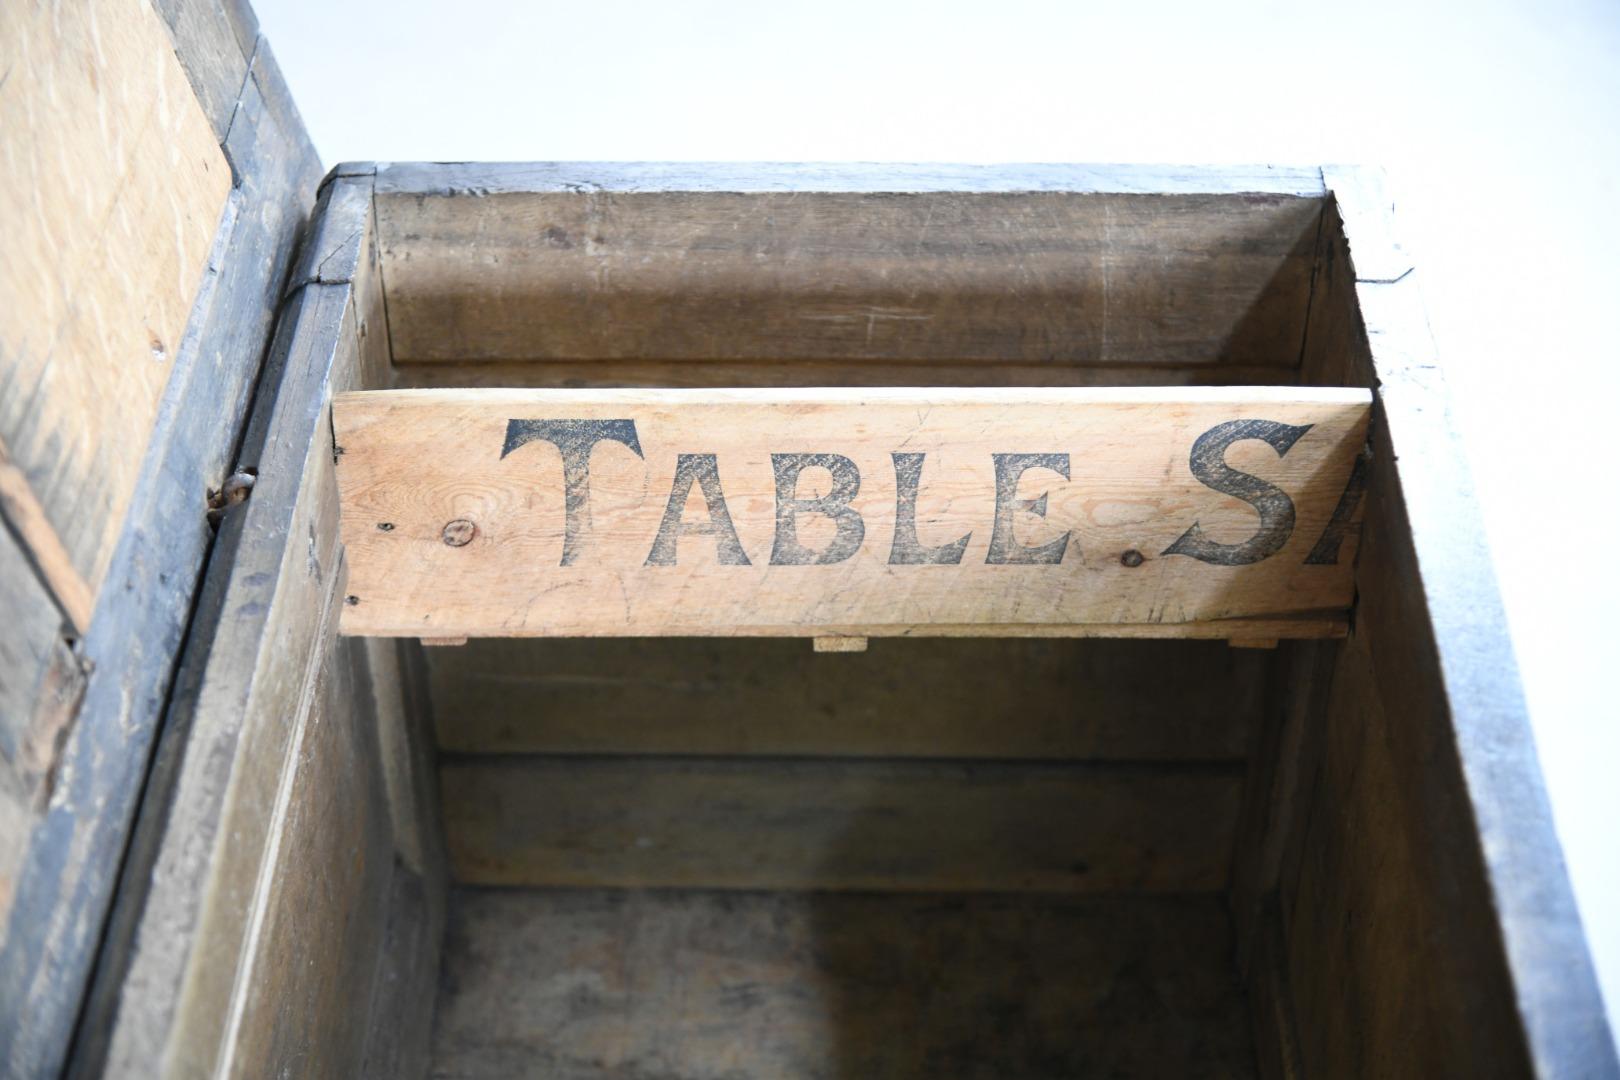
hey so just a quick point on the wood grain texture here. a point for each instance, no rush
(216, 41)
(749, 824)
(113, 191)
(58, 931)
(1005, 273)
(588, 985)
(265, 656)
(985, 511)
(293, 876)
(1051, 699)
(584, 374)
(484, 178)
(1432, 864)
(29, 528)
(208, 844)
(317, 936)
(30, 639)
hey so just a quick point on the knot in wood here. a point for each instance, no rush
(459, 533)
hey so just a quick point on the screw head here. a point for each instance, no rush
(1132, 558)
(459, 533)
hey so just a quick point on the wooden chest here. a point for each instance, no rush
(636, 826)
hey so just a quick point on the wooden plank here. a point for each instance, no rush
(582, 374)
(1019, 271)
(45, 557)
(817, 512)
(55, 937)
(483, 178)
(264, 623)
(116, 185)
(316, 936)
(263, 653)
(1430, 856)
(215, 41)
(579, 985)
(290, 790)
(1051, 699)
(725, 823)
(30, 642)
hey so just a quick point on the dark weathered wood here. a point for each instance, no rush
(313, 950)
(1048, 265)
(399, 1017)
(237, 793)
(1281, 768)
(1429, 861)
(73, 859)
(586, 985)
(1271, 998)
(701, 373)
(1095, 699)
(400, 1014)
(215, 40)
(783, 824)
(290, 826)
(31, 640)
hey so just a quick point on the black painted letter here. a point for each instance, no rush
(846, 481)
(574, 440)
(907, 549)
(1326, 551)
(1276, 509)
(703, 469)
(1004, 547)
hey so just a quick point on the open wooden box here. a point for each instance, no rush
(941, 857)
(236, 842)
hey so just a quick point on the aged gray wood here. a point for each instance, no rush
(680, 985)
(1430, 855)
(1097, 699)
(243, 793)
(73, 858)
(1049, 266)
(216, 41)
(31, 639)
(830, 824)
(307, 975)
(501, 178)
(1282, 766)
(403, 989)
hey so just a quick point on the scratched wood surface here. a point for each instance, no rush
(682, 985)
(1056, 265)
(881, 511)
(112, 188)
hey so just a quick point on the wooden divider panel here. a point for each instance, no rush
(1148, 512)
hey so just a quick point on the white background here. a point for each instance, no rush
(1497, 122)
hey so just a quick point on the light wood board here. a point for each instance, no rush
(859, 512)
(111, 188)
